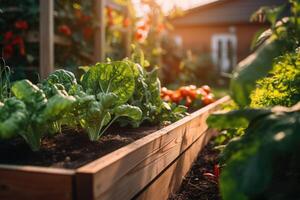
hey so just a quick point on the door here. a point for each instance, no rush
(224, 55)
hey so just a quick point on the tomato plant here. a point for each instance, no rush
(190, 96)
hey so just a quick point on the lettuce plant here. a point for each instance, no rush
(112, 84)
(41, 112)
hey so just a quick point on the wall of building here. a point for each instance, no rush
(198, 38)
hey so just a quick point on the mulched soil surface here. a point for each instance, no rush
(195, 185)
(70, 149)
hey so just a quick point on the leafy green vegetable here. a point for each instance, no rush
(147, 96)
(281, 87)
(42, 112)
(5, 74)
(120, 91)
(116, 77)
(254, 162)
(254, 67)
(63, 77)
(13, 116)
(281, 38)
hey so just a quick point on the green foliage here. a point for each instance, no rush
(281, 87)
(5, 74)
(263, 163)
(281, 38)
(116, 77)
(120, 91)
(42, 113)
(13, 116)
(147, 95)
(63, 77)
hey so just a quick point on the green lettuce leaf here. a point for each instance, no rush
(13, 116)
(113, 77)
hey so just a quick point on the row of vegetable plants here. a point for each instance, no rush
(260, 137)
(125, 92)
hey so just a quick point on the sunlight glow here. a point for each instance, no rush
(167, 5)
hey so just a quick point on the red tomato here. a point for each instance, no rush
(201, 92)
(176, 97)
(8, 35)
(139, 36)
(188, 101)
(208, 99)
(206, 88)
(167, 98)
(192, 94)
(217, 171)
(192, 87)
(184, 91)
(21, 24)
(126, 22)
(19, 41)
(165, 91)
(64, 29)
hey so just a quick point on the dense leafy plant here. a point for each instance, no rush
(29, 113)
(112, 84)
(281, 38)
(5, 74)
(121, 91)
(147, 95)
(254, 166)
(260, 161)
(281, 87)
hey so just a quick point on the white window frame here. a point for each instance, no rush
(224, 65)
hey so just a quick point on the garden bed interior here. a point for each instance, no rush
(150, 165)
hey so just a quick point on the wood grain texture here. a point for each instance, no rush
(125, 172)
(46, 38)
(34, 37)
(99, 34)
(170, 180)
(35, 183)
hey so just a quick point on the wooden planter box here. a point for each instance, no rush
(149, 168)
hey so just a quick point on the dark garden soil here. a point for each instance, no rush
(196, 185)
(71, 149)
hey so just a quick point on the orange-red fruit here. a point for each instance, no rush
(184, 91)
(200, 91)
(188, 101)
(208, 99)
(206, 88)
(176, 97)
(64, 29)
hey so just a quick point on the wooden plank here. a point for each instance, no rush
(46, 38)
(170, 180)
(99, 35)
(128, 34)
(35, 183)
(114, 5)
(34, 37)
(125, 172)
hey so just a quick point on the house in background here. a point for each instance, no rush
(221, 28)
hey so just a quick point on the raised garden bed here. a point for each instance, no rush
(151, 167)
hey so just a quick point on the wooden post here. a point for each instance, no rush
(128, 33)
(46, 38)
(99, 38)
